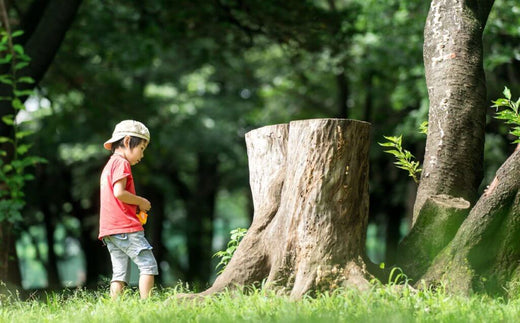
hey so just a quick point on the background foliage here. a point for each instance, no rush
(200, 74)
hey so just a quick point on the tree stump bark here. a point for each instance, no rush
(309, 182)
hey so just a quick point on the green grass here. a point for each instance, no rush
(381, 304)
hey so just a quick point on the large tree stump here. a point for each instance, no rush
(309, 182)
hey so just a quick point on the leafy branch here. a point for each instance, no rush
(226, 255)
(405, 159)
(509, 113)
(13, 175)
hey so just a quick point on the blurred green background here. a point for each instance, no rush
(201, 74)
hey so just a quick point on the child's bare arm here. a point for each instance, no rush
(126, 197)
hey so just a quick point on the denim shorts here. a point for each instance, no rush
(133, 246)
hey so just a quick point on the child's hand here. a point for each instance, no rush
(142, 216)
(144, 205)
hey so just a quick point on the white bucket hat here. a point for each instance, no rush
(127, 128)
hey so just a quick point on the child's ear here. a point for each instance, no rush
(126, 141)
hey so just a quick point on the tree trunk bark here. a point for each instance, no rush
(201, 213)
(343, 95)
(42, 45)
(453, 160)
(484, 255)
(441, 217)
(51, 263)
(9, 267)
(309, 182)
(154, 226)
(457, 91)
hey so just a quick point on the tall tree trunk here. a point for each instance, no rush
(51, 266)
(154, 226)
(201, 212)
(42, 40)
(41, 45)
(456, 87)
(97, 257)
(452, 169)
(343, 93)
(309, 182)
(9, 269)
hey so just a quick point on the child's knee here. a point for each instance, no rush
(146, 263)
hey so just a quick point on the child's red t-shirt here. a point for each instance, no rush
(115, 216)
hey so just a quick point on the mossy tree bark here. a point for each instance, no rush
(309, 181)
(485, 253)
(453, 161)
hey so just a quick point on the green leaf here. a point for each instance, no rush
(386, 144)
(515, 132)
(24, 58)
(404, 157)
(6, 80)
(5, 139)
(6, 59)
(423, 127)
(23, 149)
(20, 65)
(8, 119)
(396, 153)
(17, 104)
(23, 93)
(33, 160)
(510, 113)
(392, 139)
(23, 134)
(507, 93)
(25, 79)
(17, 33)
(500, 103)
(19, 49)
(507, 115)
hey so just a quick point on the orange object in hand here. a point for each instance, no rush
(142, 216)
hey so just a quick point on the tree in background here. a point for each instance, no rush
(41, 44)
(201, 75)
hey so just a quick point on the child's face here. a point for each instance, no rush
(135, 154)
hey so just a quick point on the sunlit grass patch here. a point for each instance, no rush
(395, 303)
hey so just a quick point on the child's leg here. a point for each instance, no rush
(120, 263)
(142, 256)
(145, 285)
(116, 288)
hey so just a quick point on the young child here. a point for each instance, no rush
(119, 227)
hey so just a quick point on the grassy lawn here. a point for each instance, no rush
(380, 304)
